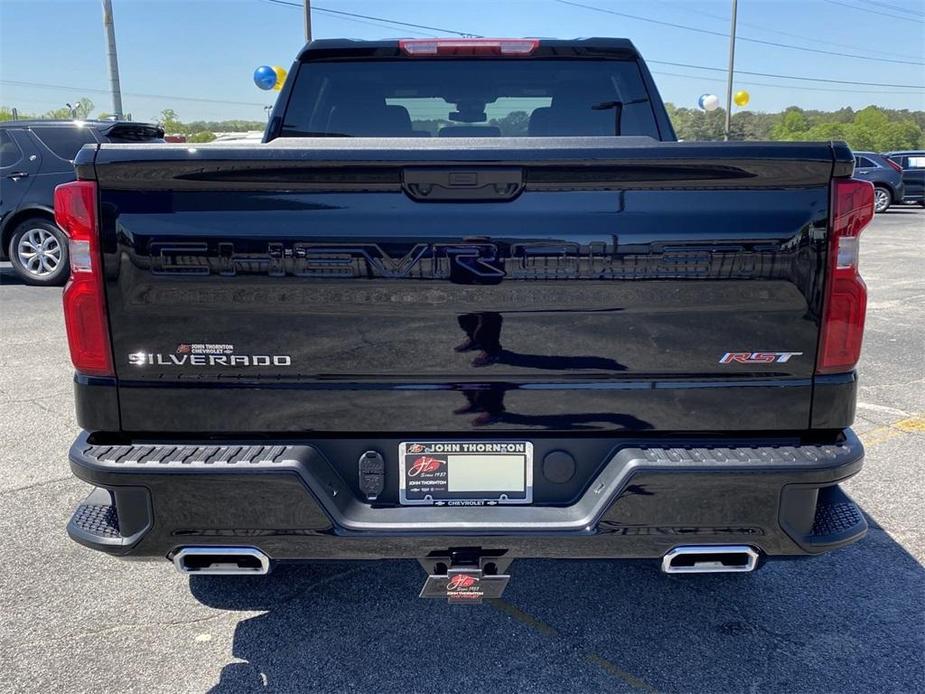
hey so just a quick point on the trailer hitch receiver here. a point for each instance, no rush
(465, 576)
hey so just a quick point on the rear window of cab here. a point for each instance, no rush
(469, 98)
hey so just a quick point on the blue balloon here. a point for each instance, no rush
(265, 77)
(708, 102)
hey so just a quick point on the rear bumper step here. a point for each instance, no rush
(288, 501)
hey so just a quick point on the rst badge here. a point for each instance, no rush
(758, 357)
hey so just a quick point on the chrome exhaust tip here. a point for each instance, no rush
(221, 561)
(710, 559)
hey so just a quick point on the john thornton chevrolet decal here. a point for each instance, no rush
(207, 354)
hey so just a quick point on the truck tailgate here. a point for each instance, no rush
(562, 284)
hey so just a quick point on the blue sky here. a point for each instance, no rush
(197, 56)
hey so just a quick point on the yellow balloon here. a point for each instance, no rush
(741, 98)
(280, 77)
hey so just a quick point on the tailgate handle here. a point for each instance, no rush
(462, 183)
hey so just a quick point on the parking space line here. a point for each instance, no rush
(907, 425)
(540, 626)
(881, 408)
(631, 680)
(911, 424)
(522, 617)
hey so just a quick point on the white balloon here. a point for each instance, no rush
(710, 102)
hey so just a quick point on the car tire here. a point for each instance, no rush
(883, 198)
(38, 253)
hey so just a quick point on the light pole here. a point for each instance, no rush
(114, 86)
(308, 20)
(732, 59)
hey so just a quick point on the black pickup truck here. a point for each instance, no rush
(470, 301)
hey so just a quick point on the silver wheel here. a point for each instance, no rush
(39, 252)
(881, 199)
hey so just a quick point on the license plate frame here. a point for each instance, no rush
(428, 482)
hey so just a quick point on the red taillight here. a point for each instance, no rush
(467, 47)
(84, 301)
(845, 301)
(893, 164)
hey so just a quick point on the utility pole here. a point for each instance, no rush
(732, 59)
(114, 86)
(308, 20)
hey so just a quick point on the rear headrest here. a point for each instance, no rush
(470, 131)
(540, 122)
(570, 118)
(396, 121)
(369, 117)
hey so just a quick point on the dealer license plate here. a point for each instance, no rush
(465, 473)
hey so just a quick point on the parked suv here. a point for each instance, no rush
(36, 156)
(912, 164)
(886, 176)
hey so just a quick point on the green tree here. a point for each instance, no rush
(827, 131)
(792, 125)
(749, 125)
(694, 124)
(904, 134)
(201, 136)
(514, 124)
(83, 108)
(171, 122)
(430, 126)
(7, 114)
(860, 137)
(871, 117)
(63, 113)
(225, 126)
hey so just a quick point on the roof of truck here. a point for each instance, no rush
(577, 47)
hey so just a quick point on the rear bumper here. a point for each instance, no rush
(291, 502)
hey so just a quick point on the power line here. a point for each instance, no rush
(379, 19)
(865, 9)
(802, 37)
(776, 86)
(383, 26)
(316, 8)
(895, 8)
(392, 21)
(789, 77)
(744, 72)
(358, 21)
(738, 38)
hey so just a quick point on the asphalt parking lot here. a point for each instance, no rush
(851, 621)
